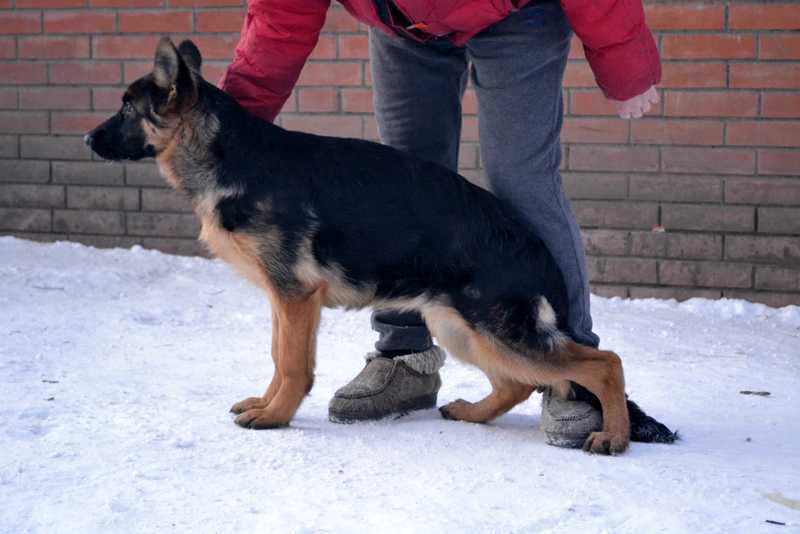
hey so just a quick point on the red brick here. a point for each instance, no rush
(676, 245)
(220, 20)
(27, 4)
(29, 219)
(679, 75)
(54, 147)
(125, 47)
(675, 188)
(20, 22)
(213, 71)
(785, 105)
(779, 221)
(607, 214)
(340, 73)
(704, 274)
(133, 70)
(340, 126)
(355, 100)
(54, 47)
(84, 21)
(763, 248)
(23, 122)
(769, 277)
(710, 104)
(708, 160)
(128, 3)
(679, 294)
(205, 3)
(9, 148)
(708, 46)
(318, 100)
(764, 133)
(762, 191)
(107, 98)
(8, 48)
(622, 270)
(5, 4)
(696, 16)
(325, 48)
(27, 171)
(467, 156)
(75, 123)
(761, 16)
(155, 22)
(706, 217)
(590, 103)
(88, 222)
(779, 46)
(765, 75)
(469, 103)
(215, 46)
(85, 73)
(579, 74)
(625, 158)
(8, 97)
(159, 224)
(576, 48)
(779, 162)
(338, 20)
(594, 131)
(776, 300)
(676, 132)
(609, 290)
(469, 129)
(54, 98)
(353, 47)
(594, 185)
(606, 242)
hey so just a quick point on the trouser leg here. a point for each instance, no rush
(418, 91)
(517, 69)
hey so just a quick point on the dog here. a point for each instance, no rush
(306, 218)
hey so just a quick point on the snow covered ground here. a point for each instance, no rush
(117, 369)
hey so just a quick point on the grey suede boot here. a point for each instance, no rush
(567, 423)
(389, 386)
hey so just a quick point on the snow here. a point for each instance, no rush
(117, 369)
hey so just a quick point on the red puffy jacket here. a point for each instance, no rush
(279, 35)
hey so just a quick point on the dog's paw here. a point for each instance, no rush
(258, 419)
(605, 443)
(248, 404)
(456, 410)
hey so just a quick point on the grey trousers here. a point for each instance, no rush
(517, 66)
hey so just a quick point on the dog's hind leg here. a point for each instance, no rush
(505, 395)
(298, 319)
(274, 385)
(601, 373)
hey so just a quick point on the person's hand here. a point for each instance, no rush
(635, 107)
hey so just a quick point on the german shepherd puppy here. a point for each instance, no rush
(306, 218)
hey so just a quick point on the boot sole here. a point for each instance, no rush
(418, 403)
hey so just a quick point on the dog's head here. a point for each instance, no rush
(151, 106)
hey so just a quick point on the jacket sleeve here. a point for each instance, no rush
(620, 48)
(276, 40)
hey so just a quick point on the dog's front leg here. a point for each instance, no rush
(298, 318)
(272, 390)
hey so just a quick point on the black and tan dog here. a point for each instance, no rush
(320, 221)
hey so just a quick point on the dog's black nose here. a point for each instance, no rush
(88, 138)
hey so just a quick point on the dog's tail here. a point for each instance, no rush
(644, 429)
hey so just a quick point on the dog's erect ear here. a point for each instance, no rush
(172, 74)
(191, 55)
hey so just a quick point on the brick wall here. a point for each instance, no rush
(702, 198)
